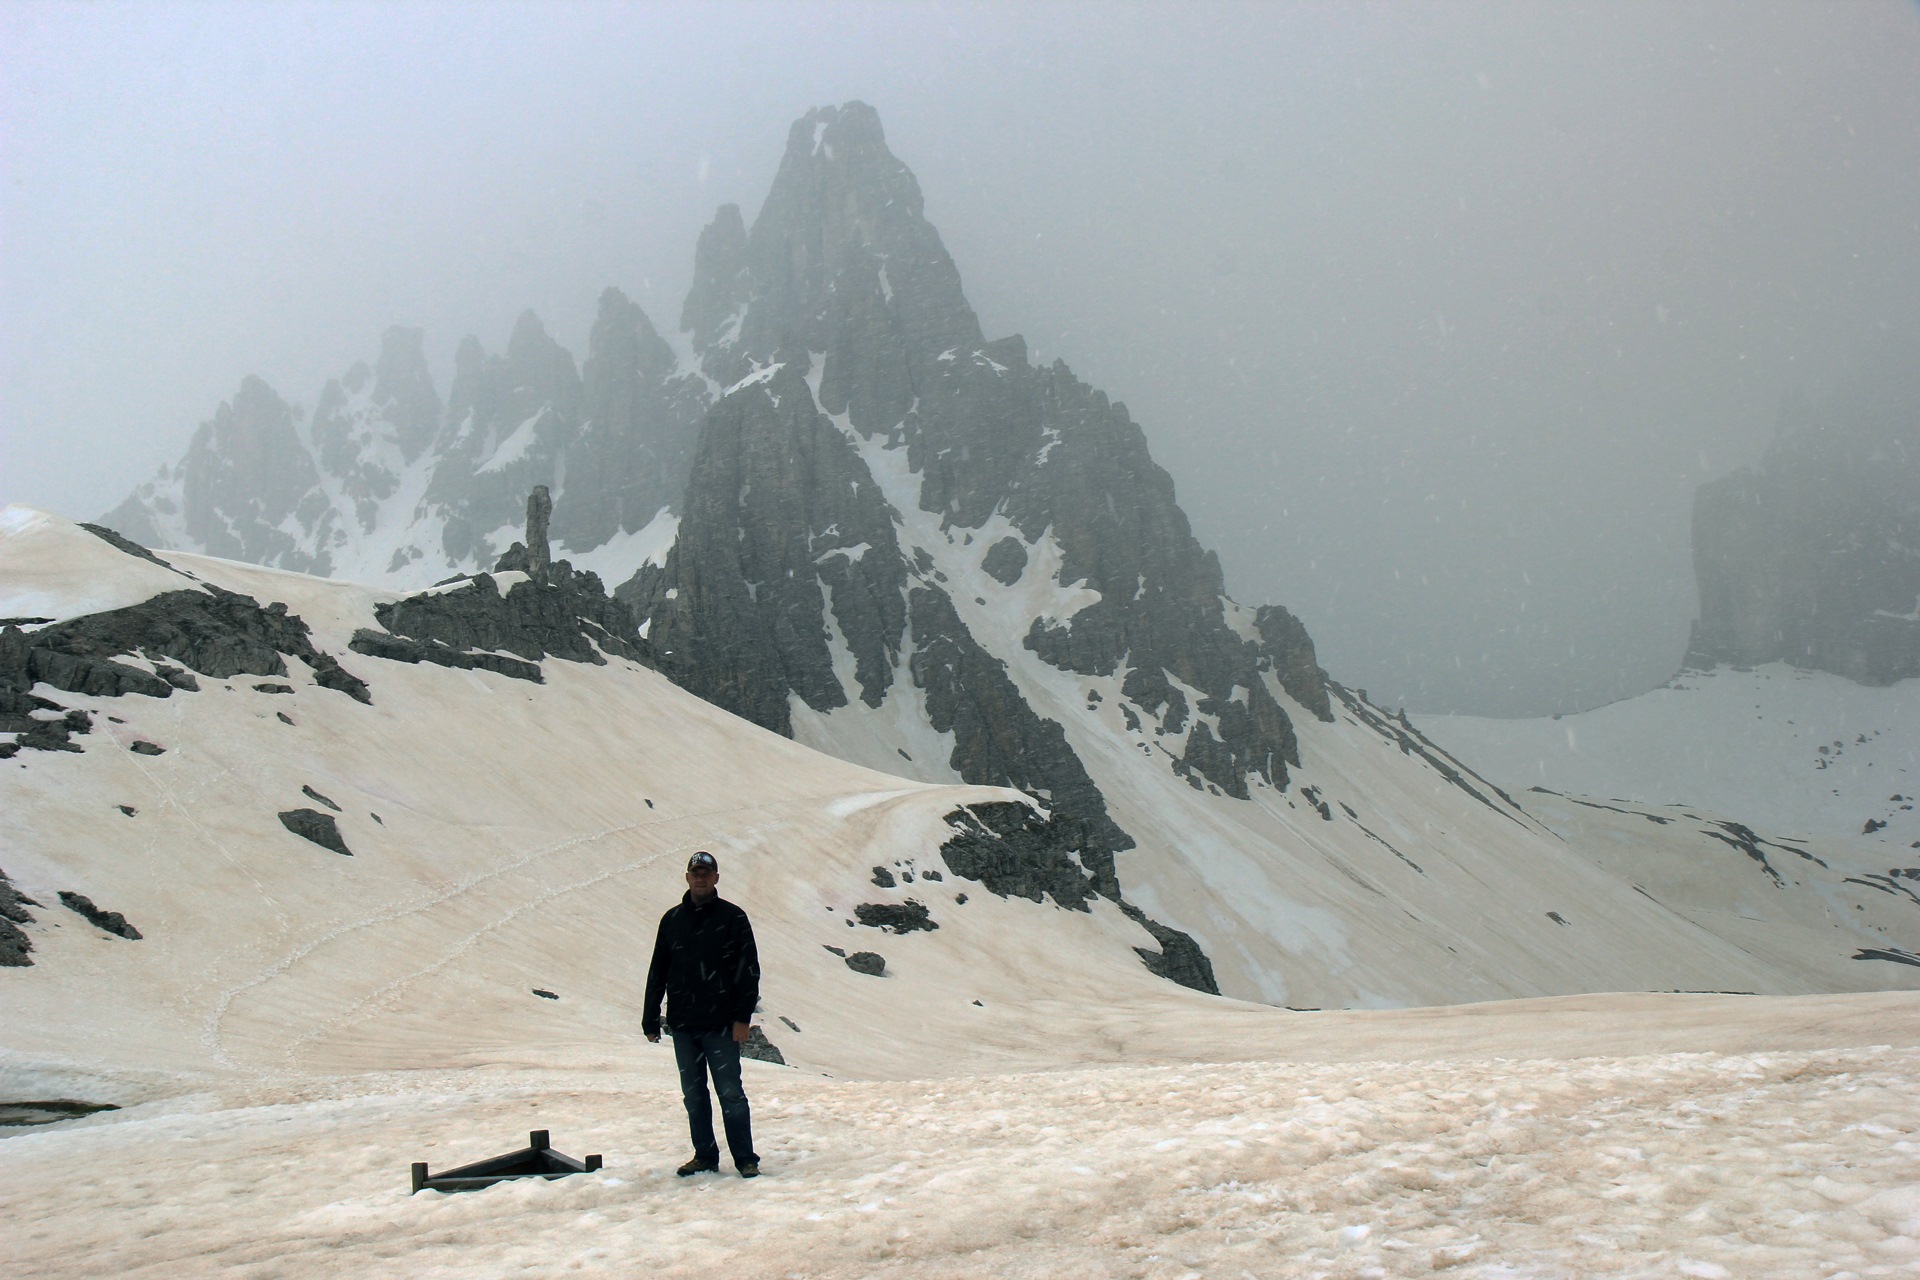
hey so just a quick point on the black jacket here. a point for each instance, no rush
(705, 963)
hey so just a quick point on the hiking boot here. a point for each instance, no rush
(697, 1165)
(751, 1169)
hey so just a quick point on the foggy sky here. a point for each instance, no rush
(1436, 313)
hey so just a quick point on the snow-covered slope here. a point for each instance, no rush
(293, 1027)
(505, 836)
(1802, 753)
(509, 836)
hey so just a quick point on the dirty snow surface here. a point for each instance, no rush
(1790, 1163)
(1017, 1095)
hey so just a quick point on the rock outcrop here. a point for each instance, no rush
(217, 633)
(536, 608)
(14, 942)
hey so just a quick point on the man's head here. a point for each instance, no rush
(703, 873)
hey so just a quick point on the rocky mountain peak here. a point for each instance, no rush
(840, 260)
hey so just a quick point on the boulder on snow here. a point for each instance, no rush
(110, 921)
(311, 824)
(868, 963)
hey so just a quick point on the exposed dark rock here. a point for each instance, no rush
(1014, 852)
(761, 1049)
(1287, 650)
(217, 633)
(998, 739)
(284, 718)
(144, 748)
(311, 794)
(868, 963)
(1005, 561)
(791, 1024)
(539, 514)
(883, 878)
(49, 1111)
(1180, 958)
(272, 687)
(1893, 954)
(127, 545)
(544, 994)
(555, 612)
(841, 260)
(311, 824)
(896, 917)
(127, 809)
(109, 921)
(14, 942)
(839, 951)
(376, 644)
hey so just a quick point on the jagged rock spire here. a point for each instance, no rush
(539, 554)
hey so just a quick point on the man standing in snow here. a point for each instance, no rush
(705, 963)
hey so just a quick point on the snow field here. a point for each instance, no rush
(1790, 1164)
(1797, 753)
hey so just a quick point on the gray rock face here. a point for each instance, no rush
(998, 738)
(840, 260)
(384, 478)
(781, 522)
(1287, 650)
(508, 418)
(1813, 558)
(640, 419)
(539, 553)
(370, 424)
(246, 478)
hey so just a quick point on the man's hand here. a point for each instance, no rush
(653, 1037)
(741, 1030)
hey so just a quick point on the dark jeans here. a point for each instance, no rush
(700, 1053)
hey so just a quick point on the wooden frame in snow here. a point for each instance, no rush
(535, 1160)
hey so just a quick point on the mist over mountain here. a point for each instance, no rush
(1437, 318)
(1812, 557)
(844, 513)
